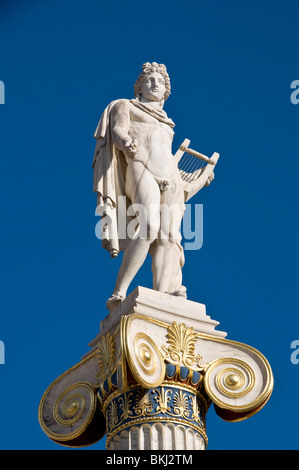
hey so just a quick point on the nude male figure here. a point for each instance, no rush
(143, 134)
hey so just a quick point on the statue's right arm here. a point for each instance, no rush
(120, 117)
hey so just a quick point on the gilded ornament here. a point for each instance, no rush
(71, 408)
(112, 414)
(163, 398)
(143, 404)
(144, 358)
(180, 404)
(71, 413)
(195, 412)
(125, 404)
(106, 357)
(144, 352)
(181, 349)
(233, 381)
(231, 385)
(167, 403)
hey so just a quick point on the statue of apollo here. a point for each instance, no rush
(134, 169)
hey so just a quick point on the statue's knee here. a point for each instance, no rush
(148, 231)
(152, 230)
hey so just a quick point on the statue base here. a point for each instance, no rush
(150, 376)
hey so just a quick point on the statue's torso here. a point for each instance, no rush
(155, 141)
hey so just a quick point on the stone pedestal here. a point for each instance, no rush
(150, 376)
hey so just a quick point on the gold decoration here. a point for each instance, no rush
(69, 408)
(234, 380)
(181, 349)
(144, 357)
(144, 352)
(112, 414)
(72, 412)
(229, 379)
(106, 357)
(169, 403)
(195, 412)
(144, 403)
(180, 404)
(125, 404)
(163, 399)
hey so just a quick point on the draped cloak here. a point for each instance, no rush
(110, 166)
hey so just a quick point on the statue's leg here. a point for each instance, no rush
(167, 253)
(163, 254)
(145, 196)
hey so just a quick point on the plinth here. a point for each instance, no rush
(149, 377)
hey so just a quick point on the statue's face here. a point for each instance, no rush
(153, 88)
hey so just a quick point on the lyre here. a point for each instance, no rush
(194, 167)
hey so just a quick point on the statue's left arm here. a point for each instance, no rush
(194, 175)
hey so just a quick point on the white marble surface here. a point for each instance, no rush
(158, 305)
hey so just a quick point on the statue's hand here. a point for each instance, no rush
(131, 148)
(210, 179)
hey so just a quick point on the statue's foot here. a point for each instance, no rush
(115, 297)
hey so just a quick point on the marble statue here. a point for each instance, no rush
(134, 167)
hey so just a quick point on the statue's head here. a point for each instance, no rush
(154, 81)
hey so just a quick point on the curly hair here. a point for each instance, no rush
(148, 68)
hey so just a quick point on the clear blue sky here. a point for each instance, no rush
(231, 65)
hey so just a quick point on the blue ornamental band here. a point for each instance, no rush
(172, 403)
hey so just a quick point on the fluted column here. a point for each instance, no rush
(158, 437)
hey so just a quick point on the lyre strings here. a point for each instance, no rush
(190, 167)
